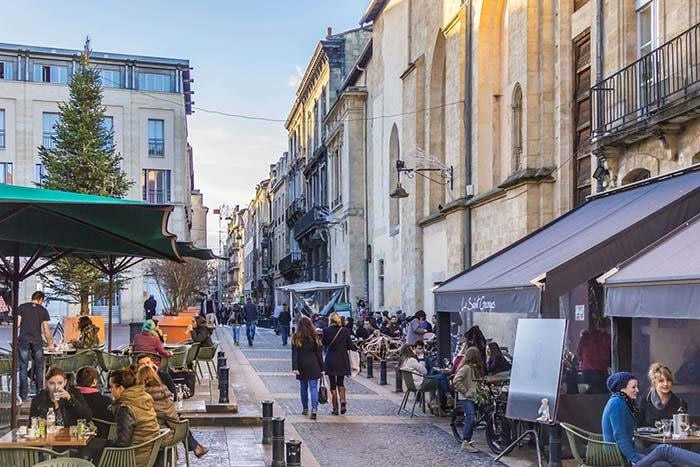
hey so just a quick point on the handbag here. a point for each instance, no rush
(353, 357)
(322, 392)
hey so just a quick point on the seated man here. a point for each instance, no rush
(391, 328)
(67, 403)
(165, 376)
(100, 405)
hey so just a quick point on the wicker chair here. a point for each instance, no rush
(181, 429)
(65, 462)
(599, 453)
(126, 457)
(11, 456)
(207, 354)
(407, 377)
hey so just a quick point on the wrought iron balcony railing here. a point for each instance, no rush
(315, 217)
(156, 147)
(663, 78)
(49, 141)
(290, 262)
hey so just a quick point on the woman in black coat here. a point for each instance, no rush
(307, 363)
(337, 341)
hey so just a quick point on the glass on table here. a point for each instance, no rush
(73, 431)
(668, 428)
(659, 424)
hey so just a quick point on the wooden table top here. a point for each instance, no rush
(61, 438)
(661, 440)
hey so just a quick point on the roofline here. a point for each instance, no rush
(71, 53)
(373, 10)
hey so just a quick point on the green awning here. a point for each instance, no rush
(34, 217)
(187, 250)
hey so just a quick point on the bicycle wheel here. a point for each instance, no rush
(457, 422)
(499, 433)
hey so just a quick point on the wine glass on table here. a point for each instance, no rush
(659, 424)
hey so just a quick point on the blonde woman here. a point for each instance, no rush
(660, 402)
(337, 341)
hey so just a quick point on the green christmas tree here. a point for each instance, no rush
(83, 160)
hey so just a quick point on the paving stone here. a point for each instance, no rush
(338, 444)
(289, 384)
(264, 353)
(272, 366)
(361, 407)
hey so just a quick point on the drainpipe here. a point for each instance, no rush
(598, 78)
(469, 191)
(366, 213)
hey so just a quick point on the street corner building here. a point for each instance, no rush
(147, 100)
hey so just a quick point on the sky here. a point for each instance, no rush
(248, 57)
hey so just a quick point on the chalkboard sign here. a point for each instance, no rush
(537, 363)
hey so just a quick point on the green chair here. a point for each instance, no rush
(126, 457)
(111, 427)
(6, 369)
(65, 462)
(599, 453)
(407, 377)
(5, 409)
(11, 456)
(191, 357)
(178, 361)
(85, 357)
(68, 364)
(109, 362)
(181, 429)
(207, 354)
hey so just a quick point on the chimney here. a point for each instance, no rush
(329, 32)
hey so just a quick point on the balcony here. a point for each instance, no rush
(291, 265)
(294, 211)
(317, 216)
(662, 87)
(156, 147)
(233, 264)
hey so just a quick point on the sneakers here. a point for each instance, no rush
(305, 412)
(469, 447)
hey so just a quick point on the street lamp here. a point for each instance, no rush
(447, 173)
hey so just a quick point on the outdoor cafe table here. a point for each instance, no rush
(61, 438)
(656, 439)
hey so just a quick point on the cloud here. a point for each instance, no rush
(295, 78)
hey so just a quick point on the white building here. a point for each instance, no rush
(147, 101)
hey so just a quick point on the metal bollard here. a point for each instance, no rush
(278, 442)
(293, 453)
(398, 382)
(382, 373)
(223, 385)
(370, 366)
(267, 422)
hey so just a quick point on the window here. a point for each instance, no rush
(39, 174)
(579, 3)
(154, 82)
(50, 73)
(6, 70)
(6, 172)
(394, 156)
(50, 120)
(109, 78)
(517, 126)
(108, 126)
(156, 186)
(155, 138)
(103, 301)
(2, 129)
(380, 285)
(647, 40)
(582, 118)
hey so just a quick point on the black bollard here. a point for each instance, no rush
(382, 373)
(223, 385)
(267, 422)
(293, 453)
(554, 446)
(370, 367)
(278, 442)
(398, 382)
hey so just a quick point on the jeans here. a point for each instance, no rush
(666, 455)
(469, 414)
(250, 331)
(37, 354)
(236, 328)
(307, 384)
(284, 330)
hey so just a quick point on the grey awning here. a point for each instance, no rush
(576, 247)
(662, 281)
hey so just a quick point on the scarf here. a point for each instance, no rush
(634, 410)
(86, 390)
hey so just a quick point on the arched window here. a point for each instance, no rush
(394, 155)
(636, 175)
(517, 127)
(436, 192)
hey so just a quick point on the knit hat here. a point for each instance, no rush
(148, 325)
(619, 380)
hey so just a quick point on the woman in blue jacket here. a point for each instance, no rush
(620, 420)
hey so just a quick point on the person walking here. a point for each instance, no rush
(32, 320)
(415, 329)
(307, 364)
(250, 314)
(337, 341)
(149, 307)
(275, 318)
(235, 322)
(283, 321)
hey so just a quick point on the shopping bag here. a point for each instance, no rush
(354, 357)
(322, 393)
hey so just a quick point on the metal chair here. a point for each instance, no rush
(5, 409)
(111, 427)
(178, 361)
(599, 453)
(85, 357)
(6, 369)
(126, 457)
(11, 456)
(65, 462)
(109, 362)
(191, 357)
(207, 354)
(181, 429)
(407, 377)
(68, 364)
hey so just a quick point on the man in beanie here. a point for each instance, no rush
(620, 420)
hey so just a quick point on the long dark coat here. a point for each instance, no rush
(337, 360)
(307, 359)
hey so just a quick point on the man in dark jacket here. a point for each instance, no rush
(100, 405)
(284, 320)
(68, 404)
(250, 314)
(149, 307)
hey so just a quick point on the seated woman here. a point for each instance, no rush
(164, 406)
(495, 361)
(620, 420)
(67, 403)
(660, 403)
(148, 341)
(100, 405)
(89, 334)
(200, 332)
(408, 361)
